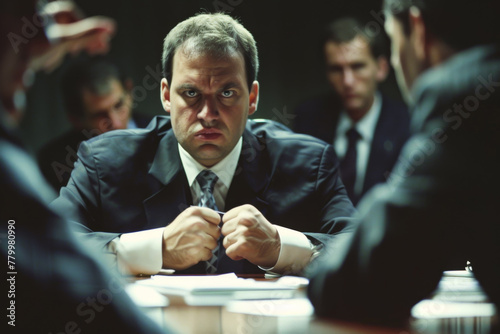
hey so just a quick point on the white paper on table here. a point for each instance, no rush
(297, 307)
(146, 296)
(218, 289)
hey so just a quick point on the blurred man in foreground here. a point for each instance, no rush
(442, 198)
(54, 284)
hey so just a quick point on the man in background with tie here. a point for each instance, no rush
(366, 128)
(153, 196)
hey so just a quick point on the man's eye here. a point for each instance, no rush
(190, 93)
(227, 93)
(358, 66)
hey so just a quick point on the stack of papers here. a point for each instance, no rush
(220, 289)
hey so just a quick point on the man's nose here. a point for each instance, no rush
(348, 78)
(209, 111)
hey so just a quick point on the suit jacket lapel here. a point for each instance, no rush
(168, 184)
(252, 177)
(170, 189)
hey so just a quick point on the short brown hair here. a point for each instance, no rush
(217, 34)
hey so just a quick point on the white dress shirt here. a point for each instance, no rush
(141, 252)
(366, 129)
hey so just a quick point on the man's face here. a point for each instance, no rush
(209, 103)
(109, 111)
(403, 57)
(354, 74)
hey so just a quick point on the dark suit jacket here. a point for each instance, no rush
(318, 117)
(133, 180)
(56, 159)
(56, 283)
(441, 202)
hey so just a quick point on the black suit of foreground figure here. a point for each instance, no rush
(441, 202)
(54, 284)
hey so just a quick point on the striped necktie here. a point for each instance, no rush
(207, 179)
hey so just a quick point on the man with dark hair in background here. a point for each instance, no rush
(366, 128)
(54, 284)
(441, 203)
(97, 99)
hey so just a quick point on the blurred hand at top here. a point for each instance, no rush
(69, 32)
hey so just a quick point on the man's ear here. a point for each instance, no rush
(418, 34)
(253, 99)
(165, 95)
(382, 68)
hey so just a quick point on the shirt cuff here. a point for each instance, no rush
(295, 253)
(139, 252)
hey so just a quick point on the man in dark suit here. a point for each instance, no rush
(54, 285)
(97, 99)
(135, 189)
(366, 128)
(441, 202)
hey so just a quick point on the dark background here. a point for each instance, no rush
(287, 35)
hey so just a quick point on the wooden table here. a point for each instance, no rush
(293, 316)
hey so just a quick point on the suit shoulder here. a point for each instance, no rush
(279, 138)
(156, 129)
(117, 146)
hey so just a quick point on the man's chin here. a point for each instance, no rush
(208, 155)
(353, 105)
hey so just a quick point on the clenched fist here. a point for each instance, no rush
(249, 235)
(190, 238)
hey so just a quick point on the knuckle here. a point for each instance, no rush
(194, 210)
(197, 224)
(247, 220)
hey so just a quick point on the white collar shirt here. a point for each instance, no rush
(224, 170)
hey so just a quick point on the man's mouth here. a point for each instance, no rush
(208, 134)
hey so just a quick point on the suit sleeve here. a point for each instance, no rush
(79, 201)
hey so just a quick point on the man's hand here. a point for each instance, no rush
(249, 235)
(190, 238)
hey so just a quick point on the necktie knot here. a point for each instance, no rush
(207, 179)
(352, 135)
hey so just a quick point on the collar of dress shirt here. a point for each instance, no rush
(366, 125)
(224, 169)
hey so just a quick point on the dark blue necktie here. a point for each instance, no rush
(348, 164)
(207, 179)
